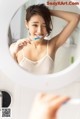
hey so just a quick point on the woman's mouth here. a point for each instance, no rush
(38, 37)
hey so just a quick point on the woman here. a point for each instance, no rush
(37, 56)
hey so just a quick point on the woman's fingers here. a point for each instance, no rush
(59, 101)
(24, 42)
(50, 97)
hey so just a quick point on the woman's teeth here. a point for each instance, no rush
(38, 37)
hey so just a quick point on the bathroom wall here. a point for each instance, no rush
(77, 41)
(16, 28)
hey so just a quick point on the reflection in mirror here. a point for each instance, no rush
(45, 39)
(5, 99)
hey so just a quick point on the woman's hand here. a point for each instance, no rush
(15, 47)
(46, 106)
(21, 43)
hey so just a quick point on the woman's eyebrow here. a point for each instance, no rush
(37, 22)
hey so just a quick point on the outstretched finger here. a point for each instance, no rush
(59, 101)
(49, 98)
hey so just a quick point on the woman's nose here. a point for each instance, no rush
(39, 30)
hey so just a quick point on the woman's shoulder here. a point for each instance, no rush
(12, 45)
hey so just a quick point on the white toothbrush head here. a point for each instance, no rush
(75, 101)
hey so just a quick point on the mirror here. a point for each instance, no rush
(68, 53)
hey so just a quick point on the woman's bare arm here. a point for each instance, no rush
(13, 51)
(72, 21)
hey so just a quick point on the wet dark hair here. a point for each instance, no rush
(42, 10)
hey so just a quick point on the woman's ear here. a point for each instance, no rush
(26, 24)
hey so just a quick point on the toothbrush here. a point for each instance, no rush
(37, 38)
(74, 101)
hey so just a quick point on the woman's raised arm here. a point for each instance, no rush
(72, 21)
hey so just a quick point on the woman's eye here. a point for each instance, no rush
(34, 25)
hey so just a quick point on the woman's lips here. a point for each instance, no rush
(38, 35)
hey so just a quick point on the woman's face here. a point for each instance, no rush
(37, 26)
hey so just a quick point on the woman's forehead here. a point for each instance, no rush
(37, 19)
